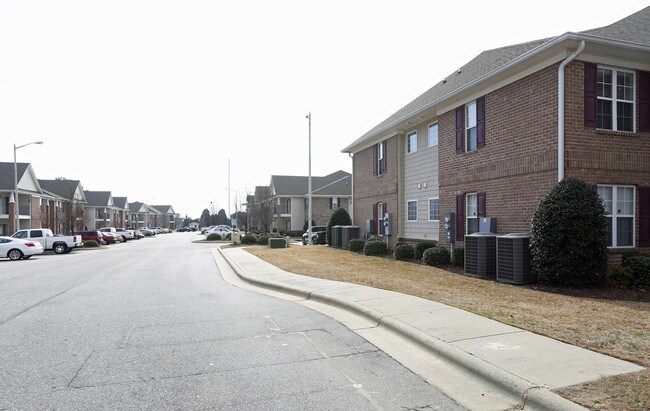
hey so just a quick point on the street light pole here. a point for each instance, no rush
(311, 241)
(16, 207)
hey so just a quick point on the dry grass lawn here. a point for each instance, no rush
(613, 322)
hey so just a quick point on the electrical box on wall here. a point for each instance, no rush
(450, 227)
(388, 223)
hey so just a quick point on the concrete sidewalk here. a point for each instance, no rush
(481, 363)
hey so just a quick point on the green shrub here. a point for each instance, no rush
(421, 246)
(339, 217)
(248, 239)
(404, 252)
(640, 268)
(214, 237)
(375, 248)
(436, 256)
(263, 239)
(356, 245)
(568, 240)
(620, 276)
(458, 258)
(91, 244)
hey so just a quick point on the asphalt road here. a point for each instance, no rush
(150, 324)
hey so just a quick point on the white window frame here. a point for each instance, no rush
(412, 142)
(468, 212)
(615, 216)
(380, 218)
(408, 216)
(335, 203)
(431, 209)
(432, 143)
(614, 99)
(380, 159)
(471, 125)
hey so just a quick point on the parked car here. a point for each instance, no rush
(318, 235)
(183, 229)
(16, 249)
(219, 230)
(112, 238)
(125, 234)
(87, 235)
(138, 234)
(147, 232)
(59, 244)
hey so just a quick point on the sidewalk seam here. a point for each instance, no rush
(536, 396)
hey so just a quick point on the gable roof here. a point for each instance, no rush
(62, 187)
(632, 31)
(7, 177)
(332, 185)
(119, 202)
(165, 209)
(98, 198)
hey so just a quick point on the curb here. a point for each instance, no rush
(531, 396)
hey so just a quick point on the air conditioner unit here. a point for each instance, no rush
(513, 258)
(480, 255)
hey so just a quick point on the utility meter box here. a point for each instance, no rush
(450, 227)
(388, 223)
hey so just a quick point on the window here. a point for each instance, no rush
(334, 203)
(470, 127)
(434, 209)
(412, 142)
(379, 158)
(615, 99)
(412, 210)
(471, 215)
(433, 134)
(619, 204)
(380, 218)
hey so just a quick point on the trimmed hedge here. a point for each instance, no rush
(404, 252)
(91, 244)
(568, 240)
(356, 245)
(639, 267)
(248, 239)
(458, 258)
(375, 248)
(436, 256)
(421, 246)
(214, 237)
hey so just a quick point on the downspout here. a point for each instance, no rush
(351, 202)
(560, 110)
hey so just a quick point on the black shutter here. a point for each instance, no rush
(480, 200)
(374, 160)
(644, 101)
(460, 124)
(331, 204)
(644, 216)
(374, 219)
(480, 122)
(591, 99)
(460, 217)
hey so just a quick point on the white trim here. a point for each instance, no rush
(467, 217)
(467, 127)
(434, 198)
(614, 99)
(429, 134)
(416, 210)
(408, 142)
(615, 217)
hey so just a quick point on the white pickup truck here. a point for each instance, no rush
(58, 243)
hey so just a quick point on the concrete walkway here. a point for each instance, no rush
(481, 363)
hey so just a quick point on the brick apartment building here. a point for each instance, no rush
(491, 139)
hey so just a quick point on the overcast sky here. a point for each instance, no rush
(149, 99)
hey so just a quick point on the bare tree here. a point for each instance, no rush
(263, 207)
(73, 212)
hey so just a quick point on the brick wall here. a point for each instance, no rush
(370, 189)
(518, 165)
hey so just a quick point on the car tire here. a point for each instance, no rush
(27, 257)
(60, 248)
(15, 254)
